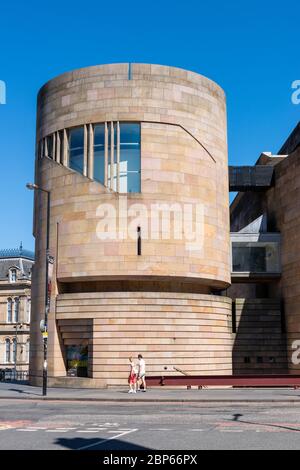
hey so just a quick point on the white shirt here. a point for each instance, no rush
(142, 365)
(133, 368)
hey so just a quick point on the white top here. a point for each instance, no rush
(134, 369)
(142, 365)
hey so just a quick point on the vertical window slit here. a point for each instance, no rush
(139, 241)
(233, 316)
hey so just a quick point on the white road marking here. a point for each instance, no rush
(56, 430)
(231, 430)
(27, 430)
(116, 431)
(101, 441)
(198, 430)
(86, 430)
(161, 429)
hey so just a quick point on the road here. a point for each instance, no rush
(26, 424)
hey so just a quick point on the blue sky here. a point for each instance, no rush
(250, 48)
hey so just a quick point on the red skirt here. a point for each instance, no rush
(132, 379)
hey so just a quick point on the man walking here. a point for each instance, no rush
(141, 373)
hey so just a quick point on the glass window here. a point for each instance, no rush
(49, 146)
(28, 310)
(76, 149)
(14, 350)
(16, 309)
(9, 310)
(112, 170)
(13, 275)
(61, 146)
(27, 350)
(7, 350)
(99, 157)
(258, 257)
(130, 158)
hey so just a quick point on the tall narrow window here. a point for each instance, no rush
(13, 275)
(49, 146)
(28, 309)
(14, 350)
(7, 350)
(27, 350)
(61, 146)
(16, 309)
(76, 149)
(130, 158)
(139, 241)
(99, 153)
(112, 156)
(9, 310)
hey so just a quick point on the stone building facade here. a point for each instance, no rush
(265, 230)
(147, 256)
(135, 157)
(15, 308)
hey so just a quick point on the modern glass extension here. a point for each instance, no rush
(109, 153)
(255, 253)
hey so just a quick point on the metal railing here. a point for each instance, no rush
(10, 375)
(271, 380)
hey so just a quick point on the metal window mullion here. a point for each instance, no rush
(112, 155)
(91, 152)
(57, 156)
(85, 150)
(65, 161)
(106, 155)
(118, 157)
(54, 146)
(46, 147)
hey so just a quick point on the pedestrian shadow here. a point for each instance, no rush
(79, 443)
(236, 417)
(23, 392)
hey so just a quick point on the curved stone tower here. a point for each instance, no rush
(135, 157)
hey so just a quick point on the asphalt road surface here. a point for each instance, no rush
(26, 424)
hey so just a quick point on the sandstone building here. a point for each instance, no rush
(135, 159)
(265, 255)
(15, 308)
(156, 135)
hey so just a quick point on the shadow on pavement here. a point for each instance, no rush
(23, 392)
(236, 417)
(78, 443)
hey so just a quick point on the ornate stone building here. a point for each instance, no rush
(124, 142)
(15, 308)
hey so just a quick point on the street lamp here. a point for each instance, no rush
(48, 276)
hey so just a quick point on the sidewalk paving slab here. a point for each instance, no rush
(14, 391)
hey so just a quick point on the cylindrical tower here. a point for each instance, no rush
(135, 157)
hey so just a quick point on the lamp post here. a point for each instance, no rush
(48, 275)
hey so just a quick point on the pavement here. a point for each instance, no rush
(280, 396)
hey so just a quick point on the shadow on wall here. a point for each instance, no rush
(260, 342)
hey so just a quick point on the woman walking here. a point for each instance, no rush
(132, 376)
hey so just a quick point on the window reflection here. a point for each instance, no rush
(130, 158)
(49, 146)
(99, 153)
(120, 140)
(76, 149)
